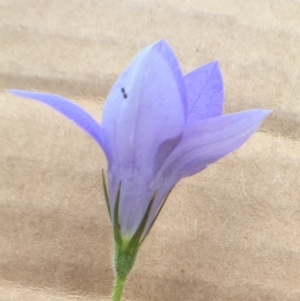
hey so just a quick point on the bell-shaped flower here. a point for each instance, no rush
(158, 127)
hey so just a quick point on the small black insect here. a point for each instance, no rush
(124, 93)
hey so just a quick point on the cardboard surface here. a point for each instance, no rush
(231, 232)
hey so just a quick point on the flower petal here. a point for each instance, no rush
(204, 88)
(209, 140)
(145, 108)
(69, 110)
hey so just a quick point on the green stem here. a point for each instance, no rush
(124, 261)
(118, 288)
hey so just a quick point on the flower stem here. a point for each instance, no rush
(118, 288)
(124, 261)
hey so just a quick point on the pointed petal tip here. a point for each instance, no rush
(217, 65)
(268, 112)
(161, 46)
(215, 62)
(258, 114)
(252, 118)
(14, 91)
(161, 42)
(26, 94)
(261, 114)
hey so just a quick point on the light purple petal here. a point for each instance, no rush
(145, 108)
(204, 88)
(69, 110)
(209, 140)
(145, 115)
(203, 143)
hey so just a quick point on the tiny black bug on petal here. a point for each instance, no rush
(124, 93)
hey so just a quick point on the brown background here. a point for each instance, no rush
(229, 233)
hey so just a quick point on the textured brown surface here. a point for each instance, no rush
(229, 233)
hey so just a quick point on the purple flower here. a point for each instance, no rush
(158, 127)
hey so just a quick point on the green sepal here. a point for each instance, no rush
(117, 228)
(135, 241)
(106, 194)
(156, 215)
